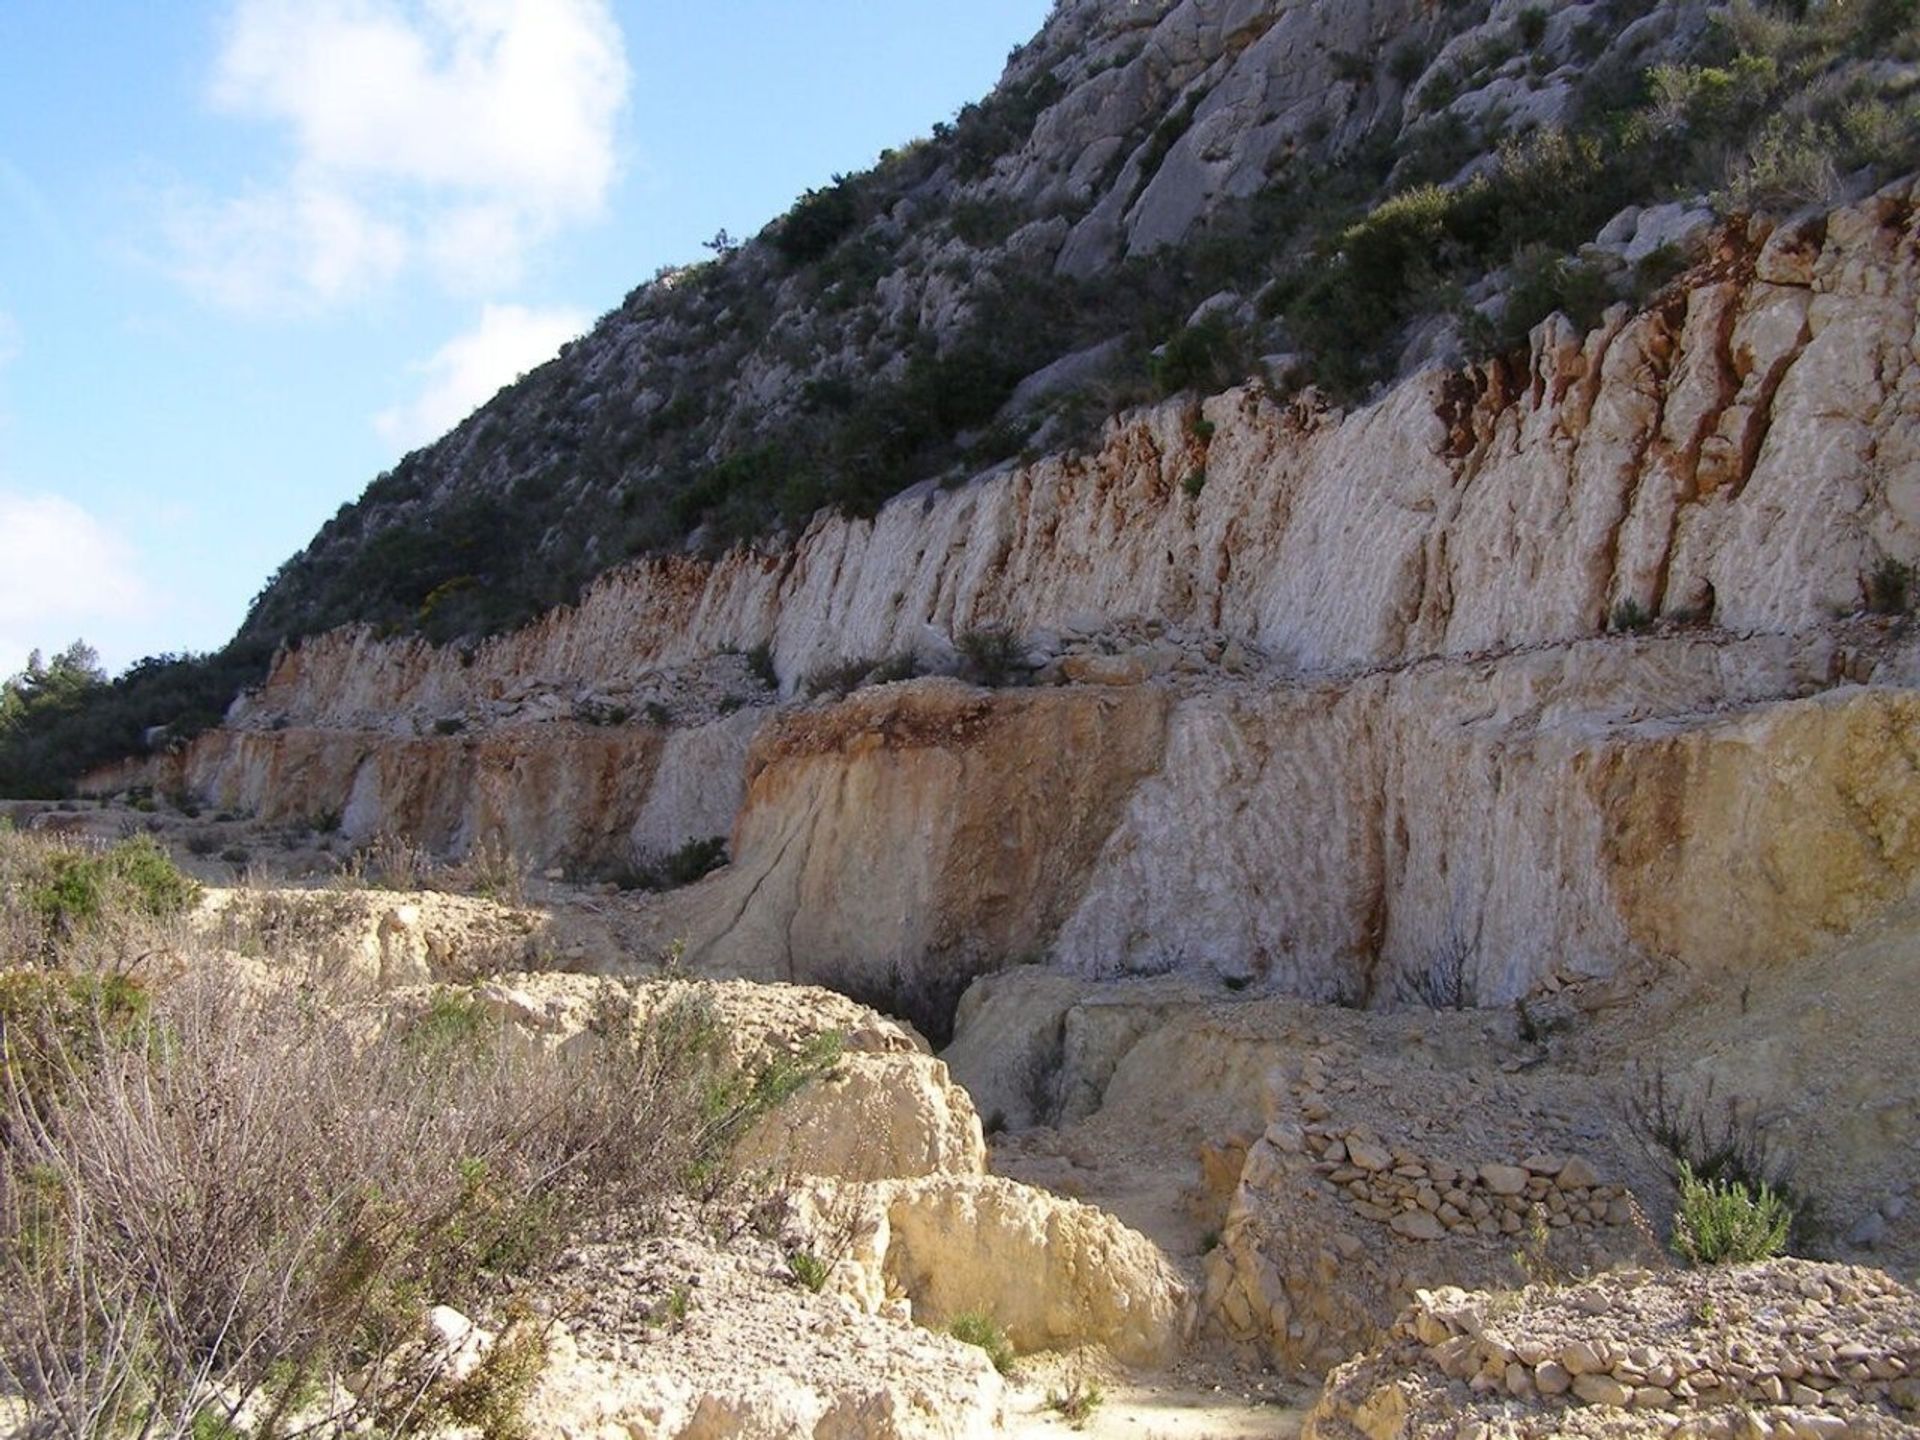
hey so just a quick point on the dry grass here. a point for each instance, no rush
(224, 1202)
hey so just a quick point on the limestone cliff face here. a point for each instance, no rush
(1436, 750)
(1745, 453)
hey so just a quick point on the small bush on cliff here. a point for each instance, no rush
(1208, 356)
(1889, 588)
(975, 1327)
(993, 655)
(1723, 1222)
(693, 861)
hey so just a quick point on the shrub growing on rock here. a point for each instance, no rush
(1723, 1222)
(975, 1327)
(993, 655)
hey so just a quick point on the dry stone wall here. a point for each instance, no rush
(1790, 1348)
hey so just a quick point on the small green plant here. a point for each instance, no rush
(1203, 429)
(993, 655)
(1890, 588)
(1077, 1402)
(1705, 1315)
(658, 715)
(454, 1022)
(977, 1328)
(492, 1399)
(1723, 1222)
(842, 678)
(808, 1270)
(760, 666)
(1629, 617)
(1195, 482)
(75, 888)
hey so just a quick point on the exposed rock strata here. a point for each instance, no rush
(1435, 753)
(1744, 452)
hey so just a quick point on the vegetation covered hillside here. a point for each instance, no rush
(1158, 197)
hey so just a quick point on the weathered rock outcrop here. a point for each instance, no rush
(1431, 751)
(1745, 453)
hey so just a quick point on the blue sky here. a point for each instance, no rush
(251, 251)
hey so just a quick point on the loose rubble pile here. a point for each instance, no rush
(1092, 650)
(1790, 1348)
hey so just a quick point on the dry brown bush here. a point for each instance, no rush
(242, 1200)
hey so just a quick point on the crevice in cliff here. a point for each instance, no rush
(1662, 344)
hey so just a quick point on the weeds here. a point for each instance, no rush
(1077, 1403)
(1889, 588)
(389, 862)
(259, 1191)
(692, 862)
(1629, 617)
(1723, 1222)
(993, 655)
(494, 872)
(979, 1329)
(1717, 1143)
(808, 1270)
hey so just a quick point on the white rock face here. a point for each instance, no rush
(1053, 1272)
(1420, 744)
(871, 1117)
(1746, 457)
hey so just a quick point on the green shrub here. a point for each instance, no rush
(760, 664)
(1629, 617)
(76, 889)
(818, 221)
(808, 1270)
(841, 678)
(1889, 588)
(1208, 356)
(693, 861)
(977, 1328)
(491, 1399)
(1723, 1222)
(993, 654)
(1195, 482)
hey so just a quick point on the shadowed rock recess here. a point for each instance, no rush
(1345, 817)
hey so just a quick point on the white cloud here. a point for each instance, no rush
(465, 372)
(451, 134)
(61, 572)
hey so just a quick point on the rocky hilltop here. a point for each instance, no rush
(1158, 195)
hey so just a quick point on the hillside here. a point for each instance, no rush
(1264, 699)
(1158, 196)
